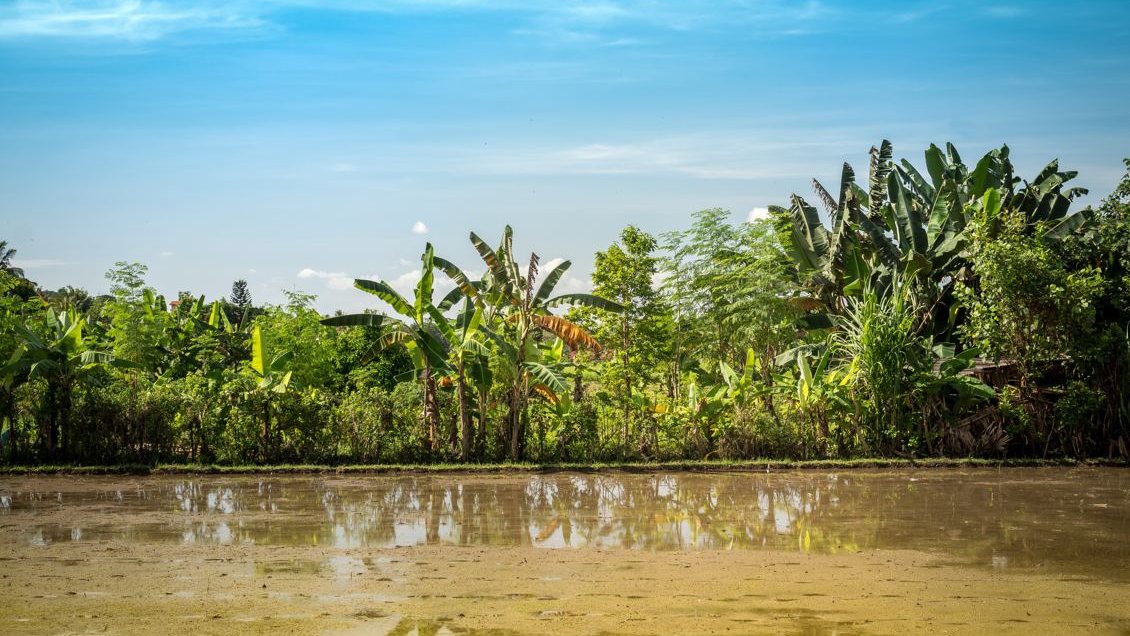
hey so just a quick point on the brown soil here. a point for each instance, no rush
(146, 588)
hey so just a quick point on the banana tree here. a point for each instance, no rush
(910, 224)
(468, 360)
(425, 345)
(274, 378)
(59, 356)
(525, 310)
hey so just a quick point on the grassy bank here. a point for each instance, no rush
(632, 467)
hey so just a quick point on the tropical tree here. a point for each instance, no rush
(414, 330)
(272, 370)
(1024, 305)
(524, 307)
(7, 254)
(730, 287)
(56, 351)
(908, 224)
(469, 359)
(625, 272)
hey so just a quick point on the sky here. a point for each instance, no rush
(299, 144)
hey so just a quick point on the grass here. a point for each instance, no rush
(632, 467)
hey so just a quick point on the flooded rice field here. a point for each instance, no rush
(940, 550)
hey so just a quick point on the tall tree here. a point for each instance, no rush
(6, 256)
(413, 330)
(730, 287)
(59, 356)
(913, 224)
(525, 307)
(625, 272)
(240, 295)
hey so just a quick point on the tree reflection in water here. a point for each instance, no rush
(1009, 519)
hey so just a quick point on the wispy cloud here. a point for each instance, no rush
(134, 20)
(725, 154)
(914, 15)
(589, 22)
(1003, 11)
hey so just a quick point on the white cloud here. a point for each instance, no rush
(253, 270)
(168, 253)
(405, 285)
(568, 284)
(756, 214)
(334, 280)
(419, 228)
(551, 263)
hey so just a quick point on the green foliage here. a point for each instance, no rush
(1025, 305)
(638, 337)
(884, 355)
(956, 310)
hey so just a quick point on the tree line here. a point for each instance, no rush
(958, 310)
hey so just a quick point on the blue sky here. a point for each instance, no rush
(298, 144)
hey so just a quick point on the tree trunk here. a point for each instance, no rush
(481, 438)
(515, 423)
(8, 413)
(431, 410)
(578, 381)
(627, 387)
(266, 430)
(465, 416)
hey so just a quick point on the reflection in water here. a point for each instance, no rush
(1070, 520)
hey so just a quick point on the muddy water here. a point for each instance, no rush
(960, 551)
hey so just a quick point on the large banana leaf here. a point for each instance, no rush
(886, 250)
(355, 320)
(877, 178)
(906, 222)
(424, 286)
(545, 375)
(936, 165)
(258, 359)
(587, 300)
(385, 292)
(443, 325)
(478, 370)
(494, 264)
(809, 236)
(571, 333)
(463, 285)
(547, 285)
(1071, 224)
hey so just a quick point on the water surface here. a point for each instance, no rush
(1059, 521)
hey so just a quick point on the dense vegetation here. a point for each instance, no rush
(958, 312)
